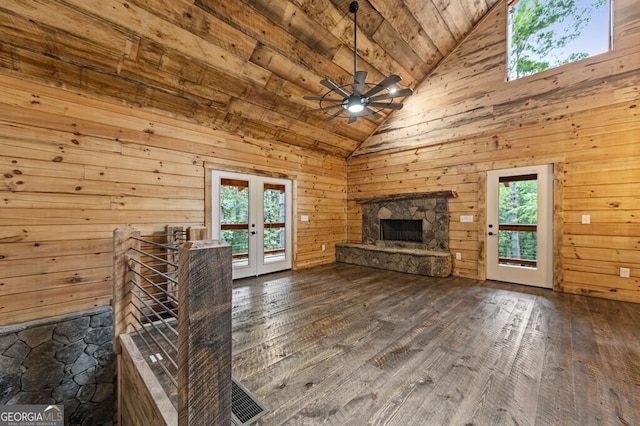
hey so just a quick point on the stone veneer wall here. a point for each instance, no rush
(66, 360)
(432, 211)
(412, 261)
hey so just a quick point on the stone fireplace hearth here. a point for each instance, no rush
(406, 233)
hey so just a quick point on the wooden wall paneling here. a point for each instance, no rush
(87, 166)
(47, 310)
(17, 284)
(567, 116)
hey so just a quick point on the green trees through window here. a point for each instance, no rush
(545, 34)
(518, 212)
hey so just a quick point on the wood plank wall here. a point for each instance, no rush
(583, 117)
(74, 168)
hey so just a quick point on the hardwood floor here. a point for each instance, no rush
(349, 345)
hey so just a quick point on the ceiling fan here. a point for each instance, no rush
(363, 98)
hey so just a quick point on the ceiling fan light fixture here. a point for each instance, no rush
(355, 104)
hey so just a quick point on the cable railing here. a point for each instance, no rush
(172, 331)
(155, 303)
(172, 301)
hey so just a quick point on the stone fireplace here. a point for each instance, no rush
(406, 233)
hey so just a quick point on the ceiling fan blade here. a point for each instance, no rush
(392, 105)
(332, 116)
(334, 87)
(372, 113)
(387, 82)
(322, 98)
(358, 82)
(324, 109)
(397, 94)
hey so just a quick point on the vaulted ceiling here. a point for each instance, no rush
(238, 66)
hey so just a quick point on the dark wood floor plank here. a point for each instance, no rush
(394, 317)
(369, 347)
(624, 395)
(479, 364)
(379, 372)
(556, 397)
(589, 382)
(349, 345)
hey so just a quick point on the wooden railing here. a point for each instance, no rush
(175, 297)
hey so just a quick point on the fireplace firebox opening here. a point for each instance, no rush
(401, 230)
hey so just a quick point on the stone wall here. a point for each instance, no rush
(433, 212)
(411, 261)
(66, 360)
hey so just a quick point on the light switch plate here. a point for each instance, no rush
(304, 218)
(625, 272)
(586, 219)
(466, 218)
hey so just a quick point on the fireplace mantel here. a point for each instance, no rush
(408, 196)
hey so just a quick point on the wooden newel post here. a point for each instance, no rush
(196, 233)
(174, 235)
(124, 239)
(204, 333)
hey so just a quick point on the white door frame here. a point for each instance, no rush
(542, 274)
(256, 260)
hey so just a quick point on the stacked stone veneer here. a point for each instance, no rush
(433, 212)
(65, 360)
(430, 257)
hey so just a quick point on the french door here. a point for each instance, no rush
(520, 225)
(253, 214)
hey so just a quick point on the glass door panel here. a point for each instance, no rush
(518, 220)
(234, 220)
(274, 197)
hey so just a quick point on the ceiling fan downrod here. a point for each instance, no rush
(353, 8)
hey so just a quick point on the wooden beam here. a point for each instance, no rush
(410, 196)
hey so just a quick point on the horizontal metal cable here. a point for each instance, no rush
(158, 273)
(158, 344)
(153, 256)
(154, 325)
(155, 299)
(177, 235)
(171, 377)
(158, 286)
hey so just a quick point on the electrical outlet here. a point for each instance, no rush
(586, 219)
(625, 272)
(458, 256)
(466, 218)
(304, 218)
(324, 247)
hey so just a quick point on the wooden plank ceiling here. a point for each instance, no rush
(238, 66)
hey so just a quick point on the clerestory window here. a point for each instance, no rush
(544, 34)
